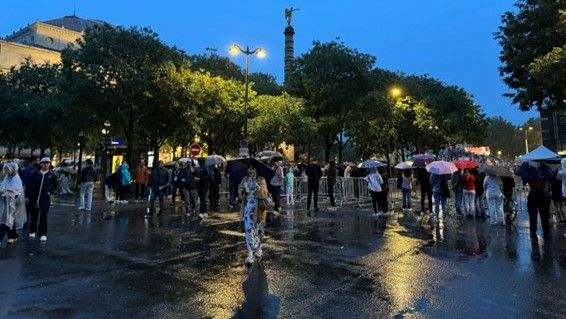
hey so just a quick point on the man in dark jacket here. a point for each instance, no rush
(331, 180)
(215, 181)
(314, 173)
(423, 177)
(25, 174)
(158, 181)
(40, 185)
(203, 180)
(175, 183)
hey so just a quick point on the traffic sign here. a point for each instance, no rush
(244, 152)
(195, 149)
(243, 143)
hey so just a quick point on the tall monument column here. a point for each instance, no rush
(289, 41)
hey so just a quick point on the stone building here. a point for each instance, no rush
(42, 41)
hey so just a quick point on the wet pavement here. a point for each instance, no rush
(113, 263)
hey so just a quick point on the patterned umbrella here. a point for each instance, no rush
(371, 164)
(441, 168)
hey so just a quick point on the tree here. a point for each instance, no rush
(118, 66)
(530, 41)
(219, 105)
(279, 119)
(265, 84)
(331, 77)
(216, 65)
(505, 137)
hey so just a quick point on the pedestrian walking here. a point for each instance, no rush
(407, 187)
(331, 182)
(110, 183)
(314, 173)
(384, 194)
(423, 178)
(203, 180)
(158, 181)
(192, 185)
(25, 175)
(290, 187)
(140, 181)
(41, 185)
(86, 185)
(64, 184)
(494, 193)
(124, 183)
(276, 183)
(374, 181)
(12, 203)
(538, 203)
(561, 175)
(441, 192)
(469, 193)
(214, 190)
(248, 191)
(174, 180)
(480, 208)
(183, 184)
(458, 190)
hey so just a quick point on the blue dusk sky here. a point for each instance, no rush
(447, 39)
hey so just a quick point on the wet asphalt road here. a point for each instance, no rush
(113, 263)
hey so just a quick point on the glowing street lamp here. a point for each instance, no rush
(526, 130)
(260, 53)
(395, 92)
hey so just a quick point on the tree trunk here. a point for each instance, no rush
(42, 151)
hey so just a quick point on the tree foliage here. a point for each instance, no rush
(532, 52)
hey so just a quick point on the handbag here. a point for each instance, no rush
(265, 203)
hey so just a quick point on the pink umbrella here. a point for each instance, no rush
(403, 165)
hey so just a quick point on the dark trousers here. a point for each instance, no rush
(383, 200)
(139, 191)
(39, 214)
(214, 196)
(331, 193)
(312, 192)
(12, 234)
(426, 193)
(156, 193)
(538, 203)
(233, 193)
(202, 199)
(174, 192)
(276, 195)
(122, 191)
(376, 201)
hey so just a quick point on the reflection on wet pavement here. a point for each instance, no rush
(335, 264)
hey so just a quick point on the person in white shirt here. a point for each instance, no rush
(374, 181)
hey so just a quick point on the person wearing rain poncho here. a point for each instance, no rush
(255, 202)
(493, 192)
(562, 177)
(12, 203)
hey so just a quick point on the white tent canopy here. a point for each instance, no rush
(540, 153)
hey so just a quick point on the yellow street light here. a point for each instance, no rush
(396, 92)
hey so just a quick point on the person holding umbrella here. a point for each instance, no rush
(374, 181)
(314, 173)
(538, 200)
(423, 177)
(407, 187)
(469, 189)
(439, 173)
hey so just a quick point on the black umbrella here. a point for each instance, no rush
(535, 170)
(237, 169)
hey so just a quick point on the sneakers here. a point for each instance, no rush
(32, 236)
(12, 240)
(258, 253)
(201, 215)
(81, 208)
(88, 209)
(250, 259)
(43, 238)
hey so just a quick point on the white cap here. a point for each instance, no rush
(45, 160)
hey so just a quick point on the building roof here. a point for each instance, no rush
(74, 23)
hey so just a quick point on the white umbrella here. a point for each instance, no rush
(441, 168)
(212, 160)
(371, 164)
(403, 165)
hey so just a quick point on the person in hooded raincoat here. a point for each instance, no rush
(12, 203)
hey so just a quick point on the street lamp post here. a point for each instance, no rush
(235, 50)
(526, 130)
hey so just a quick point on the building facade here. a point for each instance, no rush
(42, 41)
(553, 129)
